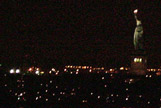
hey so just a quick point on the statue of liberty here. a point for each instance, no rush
(138, 34)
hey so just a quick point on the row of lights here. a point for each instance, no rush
(14, 71)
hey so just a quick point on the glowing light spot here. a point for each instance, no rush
(17, 71)
(18, 98)
(37, 98)
(135, 11)
(12, 71)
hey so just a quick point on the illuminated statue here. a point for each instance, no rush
(138, 34)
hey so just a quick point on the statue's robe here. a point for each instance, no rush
(138, 36)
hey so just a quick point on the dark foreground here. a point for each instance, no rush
(80, 91)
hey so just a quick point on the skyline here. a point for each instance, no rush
(82, 33)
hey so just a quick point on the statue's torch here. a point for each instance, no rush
(135, 11)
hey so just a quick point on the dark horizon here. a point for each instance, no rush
(82, 33)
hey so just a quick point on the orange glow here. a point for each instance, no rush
(158, 73)
(30, 69)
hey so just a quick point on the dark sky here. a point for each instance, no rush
(79, 33)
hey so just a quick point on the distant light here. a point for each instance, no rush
(84, 101)
(121, 68)
(17, 70)
(53, 69)
(111, 70)
(90, 70)
(30, 69)
(135, 11)
(37, 72)
(42, 72)
(102, 68)
(21, 94)
(37, 69)
(158, 73)
(131, 80)
(49, 72)
(18, 98)
(65, 70)
(12, 71)
(36, 98)
(137, 60)
(58, 99)
(140, 96)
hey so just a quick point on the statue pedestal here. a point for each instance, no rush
(138, 63)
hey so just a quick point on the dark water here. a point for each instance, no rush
(80, 91)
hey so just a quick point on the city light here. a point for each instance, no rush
(138, 60)
(37, 72)
(17, 70)
(121, 68)
(12, 71)
(30, 69)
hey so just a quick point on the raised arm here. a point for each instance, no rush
(135, 13)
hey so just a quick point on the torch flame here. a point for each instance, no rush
(136, 11)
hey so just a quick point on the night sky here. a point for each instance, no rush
(78, 33)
